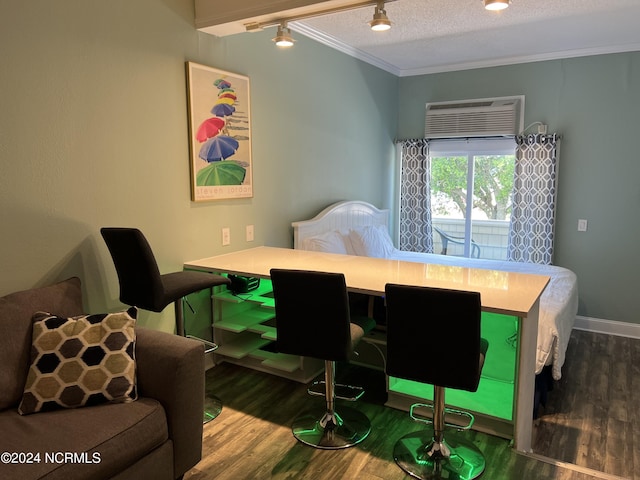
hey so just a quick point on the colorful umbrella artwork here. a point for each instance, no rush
(223, 110)
(226, 101)
(221, 173)
(221, 84)
(218, 148)
(209, 128)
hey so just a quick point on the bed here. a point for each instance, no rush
(359, 228)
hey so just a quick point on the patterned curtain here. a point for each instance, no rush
(415, 205)
(532, 225)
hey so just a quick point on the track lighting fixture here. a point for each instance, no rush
(283, 38)
(380, 21)
(496, 4)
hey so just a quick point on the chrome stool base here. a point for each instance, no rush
(332, 431)
(212, 408)
(454, 458)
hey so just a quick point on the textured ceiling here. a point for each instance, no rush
(430, 36)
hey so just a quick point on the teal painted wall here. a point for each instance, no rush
(93, 132)
(594, 103)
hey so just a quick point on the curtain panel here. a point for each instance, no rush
(415, 194)
(532, 227)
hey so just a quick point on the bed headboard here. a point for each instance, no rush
(339, 216)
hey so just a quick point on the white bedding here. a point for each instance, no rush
(558, 303)
(357, 228)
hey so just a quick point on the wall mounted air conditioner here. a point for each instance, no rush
(475, 118)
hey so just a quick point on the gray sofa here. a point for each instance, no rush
(158, 436)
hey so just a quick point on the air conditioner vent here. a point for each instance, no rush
(474, 118)
(446, 106)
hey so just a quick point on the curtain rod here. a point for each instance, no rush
(452, 139)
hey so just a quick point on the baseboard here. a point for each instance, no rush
(609, 327)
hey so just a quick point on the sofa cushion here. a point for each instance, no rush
(16, 309)
(106, 439)
(80, 361)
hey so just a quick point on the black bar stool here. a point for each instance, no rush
(142, 285)
(433, 336)
(313, 320)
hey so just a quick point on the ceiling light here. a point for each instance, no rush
(283, 38)
(496, 4)
(380, 21)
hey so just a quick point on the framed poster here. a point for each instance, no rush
(219, 134)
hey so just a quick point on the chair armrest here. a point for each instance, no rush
(171, 370)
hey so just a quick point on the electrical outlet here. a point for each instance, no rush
(582, 225)
(226, 236)
(249, 232)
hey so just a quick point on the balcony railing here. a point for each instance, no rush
(491, 236)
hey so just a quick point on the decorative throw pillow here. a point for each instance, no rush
(78, 361)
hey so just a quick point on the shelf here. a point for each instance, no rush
(279, 361)
(282, 361)
(245, 320)
(266, 331)
(242, 345)
(244, 328)
(262, 295)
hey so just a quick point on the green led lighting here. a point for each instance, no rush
(496, 392)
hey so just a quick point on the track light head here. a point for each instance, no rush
(380, 21)
(283, 38)
(496, 4)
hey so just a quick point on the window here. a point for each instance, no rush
(470, 189)
(471, 192)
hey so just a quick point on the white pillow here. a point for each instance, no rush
(330, 242)
(372, 241)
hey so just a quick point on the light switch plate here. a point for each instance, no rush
(582, 225)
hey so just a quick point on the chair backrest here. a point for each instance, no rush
(138, 272)
(312, 314)
(433, 336)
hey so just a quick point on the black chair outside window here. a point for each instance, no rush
(433, 337)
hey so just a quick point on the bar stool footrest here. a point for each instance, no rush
(349, 393)
(208, 346)
(447, 410)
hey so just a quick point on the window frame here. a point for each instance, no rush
(470, 148)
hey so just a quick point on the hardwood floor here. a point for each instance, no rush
(588, 421)
(592, 418)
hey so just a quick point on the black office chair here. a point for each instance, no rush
(433, 336)
(143, 286)
(313, 320)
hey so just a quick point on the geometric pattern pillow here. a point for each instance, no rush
(80, 361)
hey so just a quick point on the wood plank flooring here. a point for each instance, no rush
(589, 421)
(592, 418)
